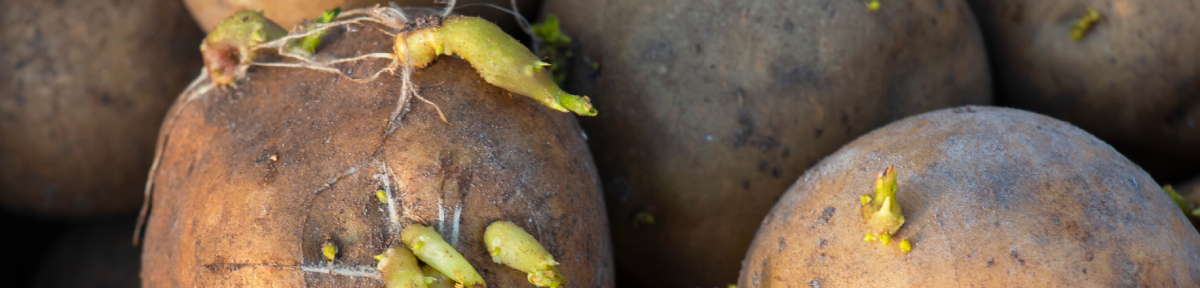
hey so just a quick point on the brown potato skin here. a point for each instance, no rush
(288, 13)
(84, 85)
(993, 197)
(224, 214)
(1131, 81)
(776, 84)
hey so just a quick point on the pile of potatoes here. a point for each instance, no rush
(620, 143)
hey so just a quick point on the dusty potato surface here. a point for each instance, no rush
(993, 197)
(291, 12)
(1131, 80)
(84, 85)
(253, 178)
(709, 110)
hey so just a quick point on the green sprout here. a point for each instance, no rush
(399, 269)
(496, 56)
(429, 246)
(311, 42)
(1084, 24)
(554, 45)
(510, 245)
(435, 279)
(881, 212)
(329, 250)
(229, 45)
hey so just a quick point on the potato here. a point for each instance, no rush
(83, 90)
(709, 110)
(259, 181)
(291, 12)
(990, 197)
(1130, 79)
(95, 253)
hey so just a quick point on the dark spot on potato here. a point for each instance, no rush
(699, 49)
(762, 165)
(782, 244)
(991, 261)
(845, 118)
(743, 135)
(821, 242)
(658, 49)
(776, 172)
(826, 214)
(745, 184)
(815, 283)
(1084, 270)
(786, 152)
(817, 132)
(1015, 256)
(788, 72)
(787, 25)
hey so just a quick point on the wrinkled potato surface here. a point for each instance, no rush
(709, 110)
(83, 89)
(254, 178)
(1131, 80)
(993, 197)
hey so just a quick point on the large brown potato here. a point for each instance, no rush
(992, 197)
(84, 85)
(253, 178)
(1131, 80)
(709, 110)
(291, 12)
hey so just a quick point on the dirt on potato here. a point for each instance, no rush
(991, 197)
(255, 179)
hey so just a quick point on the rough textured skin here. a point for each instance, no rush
(84, 85)
(225, 214)
(1133, 80)
(288, 13)
(92, 254)
(709, 110)
(993, 197)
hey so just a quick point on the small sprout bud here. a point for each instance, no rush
(1085, 24)
(329, 250)
(435, 279)
(510, 245)
(731, 286)
(905, 245)
(873, 5)
(881, 212)
(382, 195)
(643, 218)
(228, 46)
(399, 269)
(429, 246)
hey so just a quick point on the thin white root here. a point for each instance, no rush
(449, 8)
(361, 57)
(435, 106)
(454, 226)
(343, 270)
(392, 207)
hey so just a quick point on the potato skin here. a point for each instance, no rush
(225, 214)
(84, 85)
(708, 111)
(291, 12)
(1131, 80)
(993, 197)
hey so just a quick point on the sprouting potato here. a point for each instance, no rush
(253, 177)
(990, 197)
